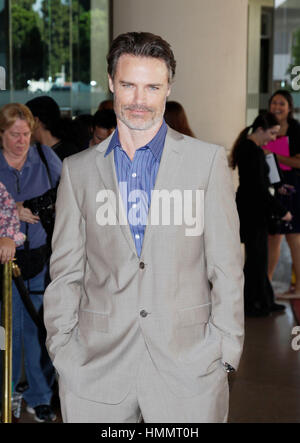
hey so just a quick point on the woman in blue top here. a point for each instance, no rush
(25, 176)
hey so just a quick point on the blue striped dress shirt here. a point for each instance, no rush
(136, 180)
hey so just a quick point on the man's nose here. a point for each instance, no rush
(139, 95)
(22, 139)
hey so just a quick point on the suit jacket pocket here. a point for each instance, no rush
(93, 321)
(197, 344)
(194, 315)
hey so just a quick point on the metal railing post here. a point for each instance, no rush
(7, 353)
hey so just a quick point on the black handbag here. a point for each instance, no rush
(32, 261)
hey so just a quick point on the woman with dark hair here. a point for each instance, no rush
(281, 105)
(255, 205)
(51, 129)
(176, 118)
(106, 104)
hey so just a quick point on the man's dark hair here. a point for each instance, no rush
(47, 110)
(106, 118)
(140, 44)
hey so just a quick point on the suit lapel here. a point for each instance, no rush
(166, 179)
(166, 176)
(107, 170)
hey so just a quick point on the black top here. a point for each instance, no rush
(254, 201)
(65, 148)
(293, 133)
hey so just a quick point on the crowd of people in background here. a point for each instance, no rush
(23, 176)
(255, 205)
(268, 210)
(282, 106)
(34, 140)
(23, 173)
(67, 136)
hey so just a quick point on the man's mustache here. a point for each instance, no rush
(138, 108)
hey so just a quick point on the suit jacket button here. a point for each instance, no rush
(142, 265)
(143, 313)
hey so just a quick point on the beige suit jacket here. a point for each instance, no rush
(184, 303)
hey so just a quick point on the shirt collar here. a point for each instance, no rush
(31, 158)
(156, 145)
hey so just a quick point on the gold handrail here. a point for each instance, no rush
(7, 353)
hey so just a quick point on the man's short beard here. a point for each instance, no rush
(143, 126)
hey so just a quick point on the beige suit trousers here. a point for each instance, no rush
(150, 399)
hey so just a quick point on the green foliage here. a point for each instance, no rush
(99, 29)
(81, 44)
(296, 47)
(27, 43)
(57, 37)
(57, 33)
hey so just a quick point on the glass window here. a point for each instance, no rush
(56, 48)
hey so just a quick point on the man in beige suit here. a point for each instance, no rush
(145, 313)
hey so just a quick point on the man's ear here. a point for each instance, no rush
(111, 84)
(169, 90)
